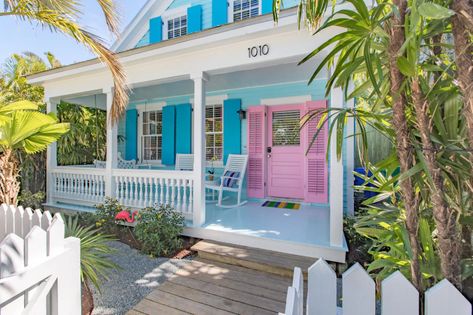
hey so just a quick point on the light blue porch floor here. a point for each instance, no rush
(309, 224)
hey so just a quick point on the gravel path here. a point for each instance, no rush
(140, 274)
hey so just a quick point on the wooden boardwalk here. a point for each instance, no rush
(209, 287)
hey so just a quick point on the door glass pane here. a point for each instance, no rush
(286, 128)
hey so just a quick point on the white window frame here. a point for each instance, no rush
(230, 10)
(142, 108)
(172, 14)
(213, 100)
(217, 162)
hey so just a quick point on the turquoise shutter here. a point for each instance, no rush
(267, 6)
(194, 19)
(131, 134)
(183, 128)
(231, 128)
(219, 12)
(169, 133)
(155, 30)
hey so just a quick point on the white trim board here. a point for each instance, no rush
(286, 100)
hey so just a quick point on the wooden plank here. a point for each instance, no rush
(218, 302)
(186, 301)
(237, 273)
(149, 307)
(269, 261)
(223, 280)
(398, 296)
(134, 312)
(235, 295)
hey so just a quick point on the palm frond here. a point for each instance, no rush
(59, 16)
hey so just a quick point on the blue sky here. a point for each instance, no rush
(19, 36)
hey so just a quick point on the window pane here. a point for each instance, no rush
(285, 128)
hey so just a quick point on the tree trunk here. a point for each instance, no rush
(464, 58)
(403, 141)
(445, 217)
(87, 299)
(10, 172)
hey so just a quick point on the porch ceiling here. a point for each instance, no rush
(282, 73)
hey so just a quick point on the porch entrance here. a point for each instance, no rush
(285, 152)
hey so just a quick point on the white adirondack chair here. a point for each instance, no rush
(184, 162)
(126, 164)
(235, 163)
(100, 164)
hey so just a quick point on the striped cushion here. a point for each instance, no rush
(229, 179)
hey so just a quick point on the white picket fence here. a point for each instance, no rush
(39, 268)
(398, 295)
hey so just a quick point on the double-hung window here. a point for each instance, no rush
(176, 26)
(214, 132)
(151, 138)
(245, 9)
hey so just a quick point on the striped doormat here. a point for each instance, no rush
(282, 204)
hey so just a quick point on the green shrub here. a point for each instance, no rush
(29, 200)
(105, 215)
(159, 230)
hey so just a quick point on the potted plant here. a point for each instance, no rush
(211, 171)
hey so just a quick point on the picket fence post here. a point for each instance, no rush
(398, 295)
(39, 268)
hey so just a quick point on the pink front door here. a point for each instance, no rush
(285, 151)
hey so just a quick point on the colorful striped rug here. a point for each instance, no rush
(282, 204)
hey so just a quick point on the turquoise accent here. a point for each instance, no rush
(194, 19)
(267, 6)
(219, 12)
(206, 12)
(131, 131)
(231, 128)
(155, 30)
(169, 132)
(184, 128)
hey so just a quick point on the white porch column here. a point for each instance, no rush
(51, 154)
(112, 147)
(336, 183)
(350, 160)
(199, 147)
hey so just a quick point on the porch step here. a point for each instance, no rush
(252, 258)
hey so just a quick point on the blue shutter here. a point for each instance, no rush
(231, 128)
(169, 133)
(194, 19)
(267, 6)
(155, 30)
(131, 134)
(219, 12)
(183, 128)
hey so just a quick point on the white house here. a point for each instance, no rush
(213, 78)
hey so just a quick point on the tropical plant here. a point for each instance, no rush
(400, 58)
(15, 87)
(95, 261)
(159, 229)
(86, 140)
(22, 129)
(105, 214)
(62, 16)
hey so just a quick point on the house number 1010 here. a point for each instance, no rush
(255, 51)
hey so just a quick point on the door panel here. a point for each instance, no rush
(256, 151)
(286, 156)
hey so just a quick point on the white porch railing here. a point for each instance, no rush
(79, 184)
(398, 295)
(136, 188)
(144, 188)
(39, 269)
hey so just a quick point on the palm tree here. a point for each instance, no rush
(61, 16)
(22, 129)
(15, 87)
